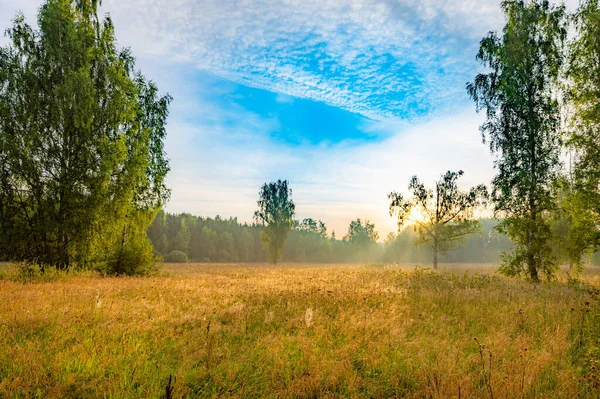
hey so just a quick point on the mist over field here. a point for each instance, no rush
(299, 199)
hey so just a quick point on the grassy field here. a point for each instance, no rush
(299, 331)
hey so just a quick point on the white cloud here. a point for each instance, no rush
(361, 56)
(356, 55)
(8, 11)
(331, 51)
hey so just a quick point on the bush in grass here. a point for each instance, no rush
(176, 257)
(135, 258)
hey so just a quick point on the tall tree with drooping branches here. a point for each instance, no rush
(522, 127)
(81, 142)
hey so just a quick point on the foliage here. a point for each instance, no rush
(276, 213)
(523, 127)
(583, 99)
(182, 238)
(209, 242)
(28, 272)
(226, 247)
(304, 245)
(308, 242)
(483, 246)
(135, 258)
(361, 241)
(572, 225)
(361, 233)
(310, 225)
(176, 256)
(205, 238)
(81, 140)
(444, 214)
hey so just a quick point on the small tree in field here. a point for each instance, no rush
(361, 234)
(276, 213)
(362, 239)
(440, 216)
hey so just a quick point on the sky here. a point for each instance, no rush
(347, 100)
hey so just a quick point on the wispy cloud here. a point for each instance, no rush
(381, 58)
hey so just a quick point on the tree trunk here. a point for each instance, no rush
(532, 267)
(64, 261)
(124, 237)
(120, 257)
(533, 272)
(532, 234)
(435, 254)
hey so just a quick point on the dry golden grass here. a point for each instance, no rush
(293, 331)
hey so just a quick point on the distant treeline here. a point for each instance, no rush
(184, 237)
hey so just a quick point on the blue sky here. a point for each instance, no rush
(346, 99)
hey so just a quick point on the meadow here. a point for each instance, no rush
(298, 331)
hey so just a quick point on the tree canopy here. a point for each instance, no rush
(275, 212)
(581, 188)
(523, 127)
(81, 141)
(361, 233)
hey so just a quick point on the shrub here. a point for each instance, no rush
(136, 258)
(176, 257)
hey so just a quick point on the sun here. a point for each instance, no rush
(416, 217)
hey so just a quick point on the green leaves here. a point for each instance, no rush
(523, 124)
(276, 211)
(361, 234)
(81, 140)
(582, 205)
